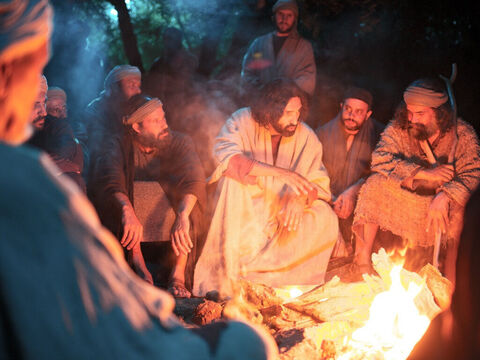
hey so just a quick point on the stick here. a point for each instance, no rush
(451, 155)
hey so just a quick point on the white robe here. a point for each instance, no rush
(245, 238)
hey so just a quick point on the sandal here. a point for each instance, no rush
(177, 289)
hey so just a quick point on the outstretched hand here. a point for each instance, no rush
(180, 236)
(132, 229)
(299, 184)
(291, 211)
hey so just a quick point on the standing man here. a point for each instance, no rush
(272, 223)
(406, 194)
(148, 151)
(282, 53)
(348, 141)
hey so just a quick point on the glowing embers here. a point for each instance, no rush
(395, 324)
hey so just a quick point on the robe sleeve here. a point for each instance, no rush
(305, 69)
(188, 169)
(387, 159)
(467, 166)
(239, 168)
(61, 146)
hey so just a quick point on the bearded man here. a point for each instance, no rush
(55, 136)
(282, 53)
(66, 291)
(103, 116)
(348, 141)
(148, 151)
(406, 194)
(271, 223)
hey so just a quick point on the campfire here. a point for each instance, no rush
(381, 317)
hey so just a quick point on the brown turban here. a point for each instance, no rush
(416, 95)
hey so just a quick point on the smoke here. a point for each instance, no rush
(76, 64)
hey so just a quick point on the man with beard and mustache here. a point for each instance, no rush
(103, 115)
(271, 223)
(282, 53)
(408, 196)
(55, 136)
(139, 166)
(348, 141)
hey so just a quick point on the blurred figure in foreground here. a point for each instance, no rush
(66, 291)
(455, 334)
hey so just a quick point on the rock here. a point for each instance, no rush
(207, 312)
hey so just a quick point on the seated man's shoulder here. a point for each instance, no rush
(466, 129)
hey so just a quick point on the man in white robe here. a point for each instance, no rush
(272, 223)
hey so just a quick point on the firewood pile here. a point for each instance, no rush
(316, 324)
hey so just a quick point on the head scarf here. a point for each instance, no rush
(286, 4)
(360, 94)
(24, 26)
(416, 95)
(121, 72)
(143, 111)
(43, 85)
(56, 92)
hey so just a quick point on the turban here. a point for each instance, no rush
(143, 111)
(416, 95)
(360, 94)
(286, 4)
(24, 26)
(43, 85)
(56, 92)
(121, 72)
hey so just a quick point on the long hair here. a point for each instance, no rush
(443, 114)
(268, 106)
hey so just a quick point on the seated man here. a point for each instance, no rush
(67, 292)
(272, 223)
(148, 151)
(414, 191)
(54, 135)
(348, 141)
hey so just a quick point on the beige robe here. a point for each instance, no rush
(245, 238)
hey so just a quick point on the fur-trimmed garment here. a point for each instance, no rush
(383, 200)
(246, 238)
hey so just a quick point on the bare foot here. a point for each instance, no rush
(177, 289)
(138, 264)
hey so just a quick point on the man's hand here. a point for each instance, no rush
(442, 173)
(132, 228)
(180, 235)
(437, 218)
(291, 212)
(297, 182)
(344, 205)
